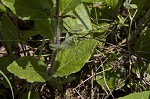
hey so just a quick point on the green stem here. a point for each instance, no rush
(130, 39)
(57, 34)
(56, 39)
(29, 93)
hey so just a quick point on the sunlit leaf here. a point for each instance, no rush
(82, 21)
(71, 60)
(2, 8)
(68, 5)
(29, 68)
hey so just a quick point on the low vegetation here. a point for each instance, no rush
(74, 49)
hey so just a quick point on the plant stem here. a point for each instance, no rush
(30, 90)
(56, 38)
(57, 34)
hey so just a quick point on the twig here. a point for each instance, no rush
(106, 82)
(93, 75)
(79, 94)
(92, 85)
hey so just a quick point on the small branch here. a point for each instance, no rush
(94, 75)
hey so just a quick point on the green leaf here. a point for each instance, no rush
(113, 3)
(9, 32)
(82, 21)
(29, 68)
(4, 62)
(28, 34)
(9, 4)
(71, 60)
(82, 14)
(134, 6)
(26, 9)
(68, 43)
(45, 28)
(68, 5)
(139, 95)
(47, 6)
(2, 8)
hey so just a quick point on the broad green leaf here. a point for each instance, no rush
(82, 13)
(2, 8)
(26, 9)
(9, 4)
(113, 3)
(9, 32)
(71, 60)
(29, 68)
(47, 5)
(139, 95)
(72, 25)
(82, 21)
(68, 5)
(45, 28)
